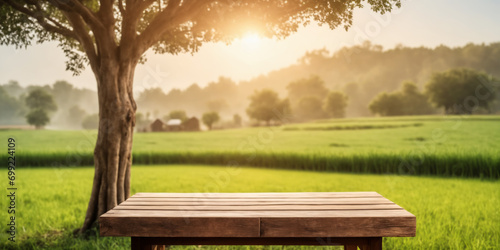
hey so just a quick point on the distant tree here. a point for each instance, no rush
(10, 107)
(407, 101)
(40, 99)
(210, 118)
(266, 106)
(335, 104)
(13, 88)
(91, 121)
(414, 101)
(309, 108)
(461, 90)
(40, 104)
(178, 114)
(76, 115)
(38, 117)
(237, 120)
(312, 86)
(386, 104)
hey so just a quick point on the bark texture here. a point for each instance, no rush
(113, 150)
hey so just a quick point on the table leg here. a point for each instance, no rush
(374, 243)
(350, 247)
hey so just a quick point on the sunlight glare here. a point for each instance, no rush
(251, 39)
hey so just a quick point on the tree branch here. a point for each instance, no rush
(173, 15)
(84, 38)
(41, 18)
(74, 5)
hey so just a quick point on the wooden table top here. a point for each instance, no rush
(319, 214)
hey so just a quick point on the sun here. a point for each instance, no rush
(251, 39)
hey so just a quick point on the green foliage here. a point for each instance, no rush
(41, 104)
(10, 107)
(38, 117)
(91, 121)
(40, 99)
(309, 108)
(445, 216)
(25, 21)
(266, 106)
(306, 87)
(336, 103)
(407, 101)
(462, 90)
(210, 118)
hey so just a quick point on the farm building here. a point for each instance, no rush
(157, 126)
(174, 125)
(191, 124)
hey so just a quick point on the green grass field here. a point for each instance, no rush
(452, 213)
(428, 145)
(417, 162)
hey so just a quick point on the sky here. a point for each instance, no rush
(418, 23)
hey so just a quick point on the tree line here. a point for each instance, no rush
(370, 77)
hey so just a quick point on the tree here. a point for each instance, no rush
(38, 117)
(461, 90)
(210, 118)
(407, 101)
(112, 36)
(178, 114)
(11, 107)
(386, 104)
(336, 103)
(309, 108)
(40, 99)
(265, 105)
(40, 104)
(313, 86)
(414, 101)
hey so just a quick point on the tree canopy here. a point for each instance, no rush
(335, 104)
(266, 106)
(210, 118)
(407, 101)
(462, 90)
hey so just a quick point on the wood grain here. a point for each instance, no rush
(258, 215)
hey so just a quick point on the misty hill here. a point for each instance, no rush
(361, 72)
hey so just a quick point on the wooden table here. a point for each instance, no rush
(342, 218)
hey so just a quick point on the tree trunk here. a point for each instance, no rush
(113, 150)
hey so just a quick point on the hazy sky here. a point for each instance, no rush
(418, 23)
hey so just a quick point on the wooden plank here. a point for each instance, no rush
(290, 215)
(259, 195)
(227, 203)
(295, 241)
(263, 207)
(296, 201)
(339, 227)
(178, 227)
